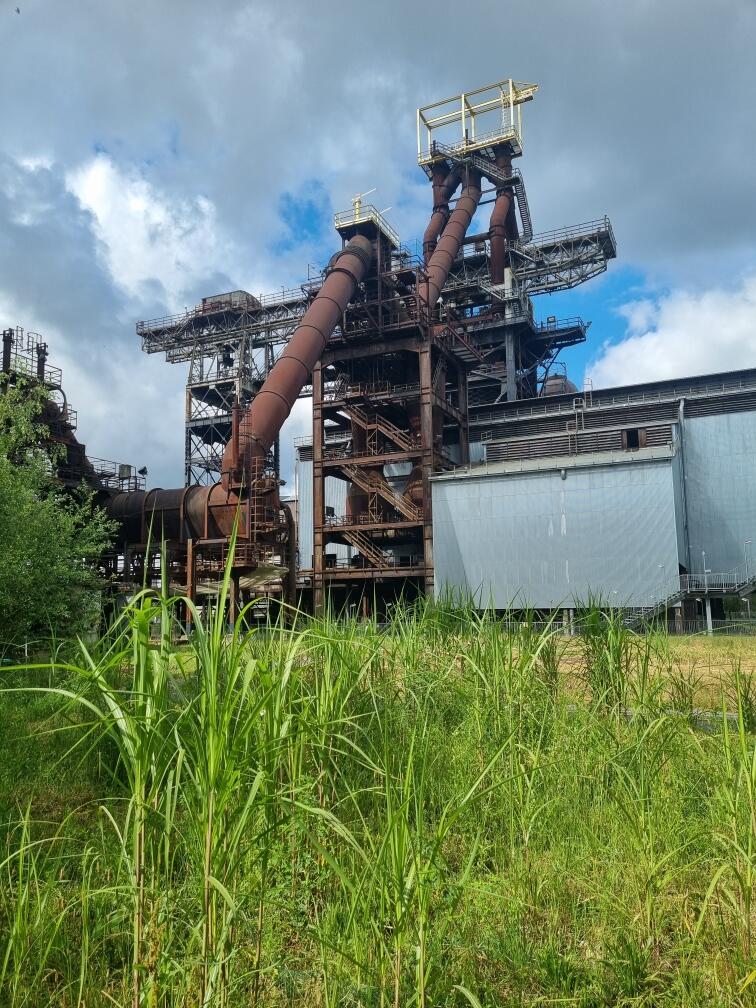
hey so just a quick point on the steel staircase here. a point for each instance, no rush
(388, 429)
(695, 585)
(372, 483)
(466, 350)
(364, 546)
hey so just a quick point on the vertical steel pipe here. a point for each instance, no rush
(7, 345)
(498, 225)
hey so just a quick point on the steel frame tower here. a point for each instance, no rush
(388, 411)
(398, 378)
(230, 342)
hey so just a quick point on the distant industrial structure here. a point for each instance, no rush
(449, 450)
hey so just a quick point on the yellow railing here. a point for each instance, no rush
(364, 213)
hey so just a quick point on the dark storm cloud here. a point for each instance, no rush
(644, 113)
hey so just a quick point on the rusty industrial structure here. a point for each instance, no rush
(393, 347)
(400, 350)
(449, 451)
(25, 361)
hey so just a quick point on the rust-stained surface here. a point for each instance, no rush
(501, 217)
(271, 406)
(451, 238)
(247, 495)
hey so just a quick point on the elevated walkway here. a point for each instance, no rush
(739, 581)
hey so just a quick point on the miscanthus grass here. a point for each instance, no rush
(328, 813)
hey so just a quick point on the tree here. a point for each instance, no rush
(50, 538)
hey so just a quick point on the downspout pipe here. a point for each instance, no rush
(444, 186)
(7, 347)
(500, 220)
(263, 419)
(450, 242)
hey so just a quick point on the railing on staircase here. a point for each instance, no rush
(372, 483)
(735, 582)
(386, 427)
(501, 177)
(366, 548)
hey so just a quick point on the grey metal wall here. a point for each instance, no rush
(535, 538)
(720, 486)
(335, 497)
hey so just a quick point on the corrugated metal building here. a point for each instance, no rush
(610, 494)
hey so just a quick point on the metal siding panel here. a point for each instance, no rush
(535, 539)
(335, 497)
(720, 483)
(303, 483)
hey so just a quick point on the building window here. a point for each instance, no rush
(633, 438)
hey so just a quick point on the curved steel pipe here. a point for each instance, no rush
(444, 186)
(451, 240)
(202, 512)
(262, 421)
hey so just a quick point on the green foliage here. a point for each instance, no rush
(49, 540)
(336, 815)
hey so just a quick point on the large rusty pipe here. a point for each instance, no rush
(199, 512)
(267, 412)
(450, 241)
(443, 189)
(498, 224)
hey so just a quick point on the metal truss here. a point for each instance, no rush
(560, 260)
(270, 320)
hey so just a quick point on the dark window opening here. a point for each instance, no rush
(633, 438)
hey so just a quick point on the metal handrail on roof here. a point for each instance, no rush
(567, 233)
(600, 400)
(365, 213)
(291, 295)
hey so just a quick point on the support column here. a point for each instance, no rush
(464, 430)
(318, 491)
(678, 618)
(188, 475)
(511, 364)
(426, 434)
(707, 607)
(6, 363)
(189, 583)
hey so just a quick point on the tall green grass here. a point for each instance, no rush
(336, 814)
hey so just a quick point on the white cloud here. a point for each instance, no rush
(146, 235)
(682, 333)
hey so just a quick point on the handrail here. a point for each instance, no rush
(601, 400)
(573, 231)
